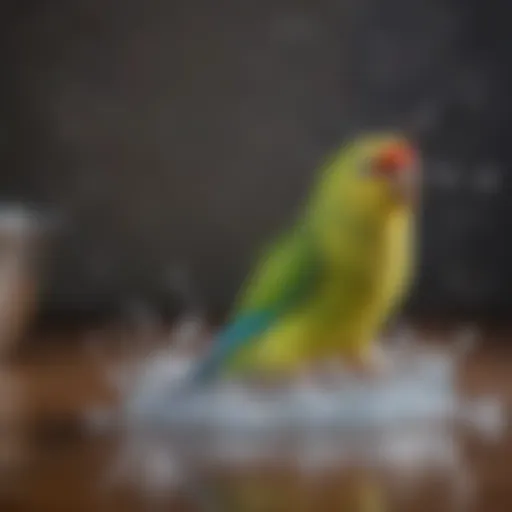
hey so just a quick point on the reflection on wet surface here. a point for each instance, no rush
(50, 461)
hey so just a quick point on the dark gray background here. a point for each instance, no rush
(182, 134)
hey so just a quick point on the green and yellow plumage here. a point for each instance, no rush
(325, 288)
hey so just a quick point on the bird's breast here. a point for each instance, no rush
(394, 257)
(374, 273)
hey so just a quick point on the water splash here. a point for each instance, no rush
(419, 386)
(403, 423)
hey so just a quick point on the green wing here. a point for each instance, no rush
(283, 277)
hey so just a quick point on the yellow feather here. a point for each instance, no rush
(366, 239)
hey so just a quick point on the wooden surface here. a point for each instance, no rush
(49, 462)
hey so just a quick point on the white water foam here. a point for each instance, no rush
(419, 386)
(401, 422)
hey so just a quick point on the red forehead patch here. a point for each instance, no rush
(395, 157)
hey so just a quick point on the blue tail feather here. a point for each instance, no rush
(234, 336)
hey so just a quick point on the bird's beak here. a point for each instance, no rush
(406, 186)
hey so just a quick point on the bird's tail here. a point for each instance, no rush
(241, 331)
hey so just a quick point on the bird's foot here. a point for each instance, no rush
(372, 364)
(321, 375)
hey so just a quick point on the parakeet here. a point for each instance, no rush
(325, 288)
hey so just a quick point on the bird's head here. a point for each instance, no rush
(373, 173)
(392, 167)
